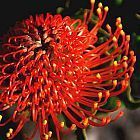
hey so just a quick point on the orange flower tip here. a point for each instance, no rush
(125, 65)
(106, 8)
(8, 135)
(69, 73)
(131, 69)
(127, 76)
(122, 33)
(100, 95)
(114, 82)
(44, 52)
(29, 103)
(108, 120)
(132, 53)
(92, 1)
(85, 122)
(115, 63)
(46, 137)
(118, 103)
(62, 124)
(98, 76)
(108, 26)
(54, 67)
(118, 19)
(99, 11)
(121, 113)
(100, 5)
(125, 58)
(10, 130)
(128, 37)
(134, 59)
(0, 118)
(95, 105)
(50, 134)
(45, 122)
(104, 120)
(45, 36)
(73, 127)
(114, 39)
(107, 93)
(124, 84)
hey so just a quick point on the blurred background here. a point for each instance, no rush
(126, 128)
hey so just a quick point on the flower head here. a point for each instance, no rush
(53, 67)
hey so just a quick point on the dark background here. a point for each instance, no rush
(16, 10)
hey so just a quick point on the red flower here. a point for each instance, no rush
(53, 67)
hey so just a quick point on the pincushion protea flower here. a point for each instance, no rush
(52, 67)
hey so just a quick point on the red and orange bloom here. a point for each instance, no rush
(52, 67)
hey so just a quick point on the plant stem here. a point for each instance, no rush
(81, 134)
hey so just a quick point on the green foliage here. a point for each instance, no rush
(118, 2)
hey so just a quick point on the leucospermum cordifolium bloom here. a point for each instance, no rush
(52, 68)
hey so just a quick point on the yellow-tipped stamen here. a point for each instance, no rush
(122, 33)
(99, 11)
(0, 118)
(115, 63)
(46, 137)
(8, 135)
(100, 5)
(85, 122)
(114, 82)
(73, 126)
(106, 8)
(120, 26)
(44, 122)
(10, 130)
(100, 95)
(125, 58)
(62, 124)
(50, 134)
(114, 39)
(95, 105)
(107, 93)
(98, 76)
(108, 26)
(92, 1)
